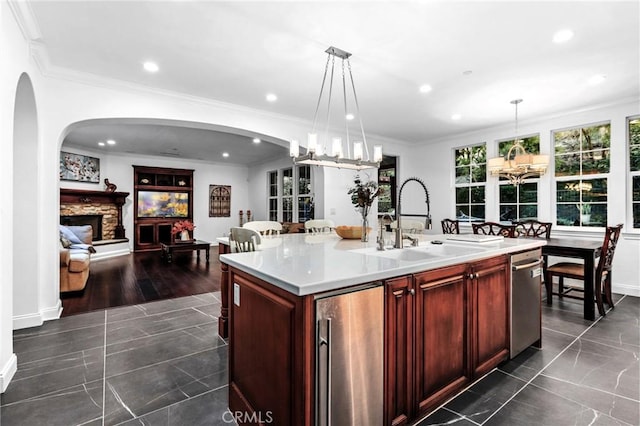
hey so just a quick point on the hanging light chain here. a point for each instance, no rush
(355, 98)
(324, 78)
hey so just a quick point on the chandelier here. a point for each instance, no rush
(518, 165)
(318, 153)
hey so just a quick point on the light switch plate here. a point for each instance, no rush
(236, 294)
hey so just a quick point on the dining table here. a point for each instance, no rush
(588, 251)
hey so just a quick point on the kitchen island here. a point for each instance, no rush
(444, 323)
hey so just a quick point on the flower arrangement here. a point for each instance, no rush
(182, 225)
(363, 194)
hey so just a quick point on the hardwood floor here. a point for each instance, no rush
(143, 277)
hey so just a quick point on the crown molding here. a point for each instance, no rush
(23, 14)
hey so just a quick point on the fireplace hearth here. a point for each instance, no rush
(95, 220)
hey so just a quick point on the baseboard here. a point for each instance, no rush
(52, 313)
(26, 321)
(629, 290)
(7, 372)
(38, 318)
(120, 251)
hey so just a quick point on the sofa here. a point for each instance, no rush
(75, 256)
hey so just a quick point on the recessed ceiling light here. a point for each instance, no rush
(456, 117)
(101, 143)
(256, 140)
(350, 117)
(111, 142)
(225, 154)
(271, 97)
(467, 72)
(151, 66)
(562, 36)
(597, 79)
(425, 88)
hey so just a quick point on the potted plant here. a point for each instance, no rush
(585, 212)
(183, 229)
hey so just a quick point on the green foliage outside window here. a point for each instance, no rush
(582, 150)
(471, 175)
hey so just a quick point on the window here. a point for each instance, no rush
(287, 195)
(519, 202)
(634, 166)
(288, 201)
(471, 177)
(305, 197)
(581, 170)
(272, 178)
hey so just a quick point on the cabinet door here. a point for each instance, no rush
(398, 350)
(490, 313)
(441, 322)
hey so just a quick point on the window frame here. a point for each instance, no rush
(470, 184)
(581, 178)
(631, 176)
(295, 196)
(531, 180)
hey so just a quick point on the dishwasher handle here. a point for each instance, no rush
(526, 265)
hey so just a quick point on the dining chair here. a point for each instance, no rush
(493, 228)
(319, 226)
(264, 227)
(533, 229)
(575, 271)
(450, 226)
(409, 226)
(243, 239)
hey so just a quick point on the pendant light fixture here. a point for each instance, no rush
(333, 151)
(518, 165)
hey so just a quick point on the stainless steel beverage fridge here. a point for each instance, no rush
(349, 357)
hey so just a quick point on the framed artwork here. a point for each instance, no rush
(219, 201)
(79, 167)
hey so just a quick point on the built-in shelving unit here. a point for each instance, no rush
(162, 196)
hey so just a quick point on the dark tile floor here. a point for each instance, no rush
(161, 363)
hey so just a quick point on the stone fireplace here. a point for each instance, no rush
(101, 209)
(95, 220)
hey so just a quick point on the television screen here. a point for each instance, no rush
(163, 204)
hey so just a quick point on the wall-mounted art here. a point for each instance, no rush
(79, 167)
(219, 201)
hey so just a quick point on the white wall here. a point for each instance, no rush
(434, 162)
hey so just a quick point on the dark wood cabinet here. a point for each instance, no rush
(399, 338)
(489, 305)
(442, 359)
(162, 196)
(444, 328)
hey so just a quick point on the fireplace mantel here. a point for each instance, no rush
(82, 196)
(85, 197)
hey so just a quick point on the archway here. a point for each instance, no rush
(25, 201)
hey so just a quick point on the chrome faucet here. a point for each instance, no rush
(427, 224)
(381, 242)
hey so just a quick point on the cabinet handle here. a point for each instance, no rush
(471, 276)
(411, 291)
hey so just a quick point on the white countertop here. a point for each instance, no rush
(305, 264)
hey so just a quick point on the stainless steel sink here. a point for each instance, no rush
(421, 253)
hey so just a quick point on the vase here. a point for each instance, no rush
(365, 230)
(184, 235)
(585, 218)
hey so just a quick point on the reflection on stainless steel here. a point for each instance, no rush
(349, 366)
(526, 271)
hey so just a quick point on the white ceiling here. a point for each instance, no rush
(237, 52)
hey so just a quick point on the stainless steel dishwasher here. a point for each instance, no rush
(526, 325)
(349, 357)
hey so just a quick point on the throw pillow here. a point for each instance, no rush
(65, 243)
(66, 233)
